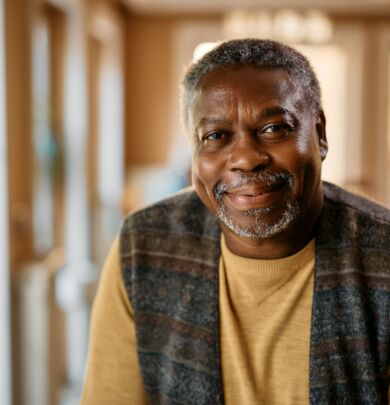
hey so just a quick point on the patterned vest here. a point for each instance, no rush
(170, 256)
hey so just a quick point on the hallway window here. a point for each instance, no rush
(44, 145)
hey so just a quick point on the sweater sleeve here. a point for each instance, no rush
(113, 374)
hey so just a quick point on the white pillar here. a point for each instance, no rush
(5, 324)
(79, 271)
(75, 121)
(110, 142)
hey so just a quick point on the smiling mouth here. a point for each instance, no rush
(255, 195)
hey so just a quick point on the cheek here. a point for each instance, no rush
(205, 175)
(207, 168)
(307, 168)
(301, 159)
(201, 181)
(291, 156)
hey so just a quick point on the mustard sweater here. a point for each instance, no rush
(265, 310)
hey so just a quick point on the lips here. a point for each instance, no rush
(255, 195)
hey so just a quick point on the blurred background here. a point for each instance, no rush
(90, 130)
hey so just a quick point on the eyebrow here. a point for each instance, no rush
(209, 120)
(270, 112)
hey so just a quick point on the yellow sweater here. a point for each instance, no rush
(265, 309)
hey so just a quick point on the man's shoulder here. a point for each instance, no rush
(183, 212)
(350, 220)
(337, 198)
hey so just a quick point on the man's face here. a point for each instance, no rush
(257, 151)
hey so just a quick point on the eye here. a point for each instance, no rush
(274, 128)
(275, 131)
(214, 136)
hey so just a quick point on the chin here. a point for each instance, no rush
(256, 224)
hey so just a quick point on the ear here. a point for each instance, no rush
(321, 133)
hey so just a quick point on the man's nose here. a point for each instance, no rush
(247, 154)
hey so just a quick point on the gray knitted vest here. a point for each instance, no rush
(169, 257)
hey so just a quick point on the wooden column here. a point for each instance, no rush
(20, 156)
(20, 147)
(5, 335)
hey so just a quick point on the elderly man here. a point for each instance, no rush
(262, 285)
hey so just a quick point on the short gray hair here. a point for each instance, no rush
(258, 52)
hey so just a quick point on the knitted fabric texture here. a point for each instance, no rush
(169, 258)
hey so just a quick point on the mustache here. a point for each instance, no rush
(263, 177)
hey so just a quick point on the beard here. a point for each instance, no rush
(260, 229)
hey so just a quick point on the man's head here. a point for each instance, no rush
(260, 53)
(252, 110)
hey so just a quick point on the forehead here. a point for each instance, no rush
(250, 87)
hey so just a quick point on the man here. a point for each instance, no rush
(278, 292)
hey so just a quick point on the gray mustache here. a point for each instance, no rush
(263, 177)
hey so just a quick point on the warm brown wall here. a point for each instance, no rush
(147, 99)
(375, 164)
(371, 135)
(149, 58)
(375, 157)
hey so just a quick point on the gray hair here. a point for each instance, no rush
(257, 52)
